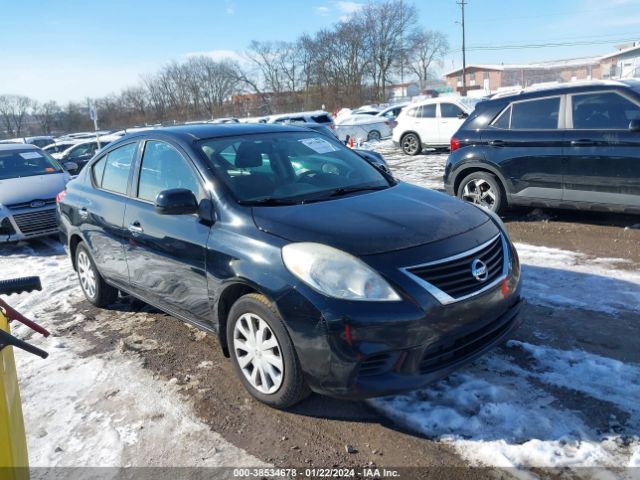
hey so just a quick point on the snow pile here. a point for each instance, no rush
(104, 410)
(497, 413)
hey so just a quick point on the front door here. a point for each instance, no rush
(451, 119)
(603, 155)
(166, 254)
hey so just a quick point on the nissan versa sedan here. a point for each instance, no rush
(316, 270)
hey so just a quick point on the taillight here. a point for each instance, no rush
(60, 196)
(454, 145)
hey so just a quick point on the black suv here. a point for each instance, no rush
(566, 146)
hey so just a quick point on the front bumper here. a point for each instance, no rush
(27, 223)
(364, 349)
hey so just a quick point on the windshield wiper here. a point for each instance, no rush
(269, 201)
(338, 192)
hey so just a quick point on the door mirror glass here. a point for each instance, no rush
(634, 125)
(71, 167)
(176, 201)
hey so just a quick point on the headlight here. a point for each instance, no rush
(336, 273)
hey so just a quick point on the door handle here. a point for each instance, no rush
(135, 228)
(582, 143)
(83, 212)
(496, 143)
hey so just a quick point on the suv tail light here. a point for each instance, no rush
(60, 196)
(454, 145)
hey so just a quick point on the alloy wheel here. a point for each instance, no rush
(258, 353)
(410, 144)
(479, 192)
(86, 274)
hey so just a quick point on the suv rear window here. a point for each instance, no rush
(535, 114)
(26, 163)
(321, 119)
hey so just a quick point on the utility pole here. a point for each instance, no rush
(462, 3)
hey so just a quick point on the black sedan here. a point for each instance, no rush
(313, 266)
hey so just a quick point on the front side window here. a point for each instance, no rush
(81, 150)
(117, 167)
(449, 110)
(602, 111)
(26, 163)
(164, 168)
(535, 114)
(289, 167)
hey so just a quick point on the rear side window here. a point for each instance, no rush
(321, 119)
(449, 110)
(163, 168)
(427, 111)
(504, 120)
(603, 111)
(117, 167)
(535, 114)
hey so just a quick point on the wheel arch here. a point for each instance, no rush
(463, 170)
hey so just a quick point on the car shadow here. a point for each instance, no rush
(524, 214)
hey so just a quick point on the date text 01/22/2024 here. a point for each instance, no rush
(368, 472)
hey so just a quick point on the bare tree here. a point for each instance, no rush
(425, 49)
(46, 114)
(13, 109)
(388, 24)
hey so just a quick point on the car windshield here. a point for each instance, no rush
(26, 163)
(289, 167)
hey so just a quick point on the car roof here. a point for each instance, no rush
(4, 147)
(216, 130)
(550, 89)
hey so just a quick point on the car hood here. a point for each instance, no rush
(38, 187)
(399, 217)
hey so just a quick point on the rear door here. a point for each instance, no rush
(101, 208)
(166, 254)
(425, 123)
(603, 155)
(451, 118)
(525, 141)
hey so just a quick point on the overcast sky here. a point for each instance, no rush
(69, 50)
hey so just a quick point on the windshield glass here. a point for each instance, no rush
(26, 163)
(289, 167)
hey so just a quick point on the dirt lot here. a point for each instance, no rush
(326, 432)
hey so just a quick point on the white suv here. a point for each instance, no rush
(431, 123)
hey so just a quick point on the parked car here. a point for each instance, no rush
(81, 152)
(431, 123)
(363, 127)
(314, 269)
(29, 182)
(566, 146)
(318, 116)
(60, 146)
(39, 141)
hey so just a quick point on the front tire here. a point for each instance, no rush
(95, 289)
(263, 354)
(410, 143)
(482, 189)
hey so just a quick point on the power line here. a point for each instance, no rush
(523, 46)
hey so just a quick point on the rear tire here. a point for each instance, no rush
(95, 289)
(410, 143)
(262, 353)
(374, 136)
(482, 189)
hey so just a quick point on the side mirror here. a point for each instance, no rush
(462, 115)
(634, 125)
(176, 201)
(71, 167)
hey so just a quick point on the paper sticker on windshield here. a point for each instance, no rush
(318, 145)
(30, 155)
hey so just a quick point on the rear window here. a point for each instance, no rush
(321, 119)
(26, 163)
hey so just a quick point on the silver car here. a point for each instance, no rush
(30, 180)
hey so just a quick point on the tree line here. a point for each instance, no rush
(351, 63)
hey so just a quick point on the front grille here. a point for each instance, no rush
(449, 352)
(377, 364)
(36, 222)
(18, 206)
(454, 277)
